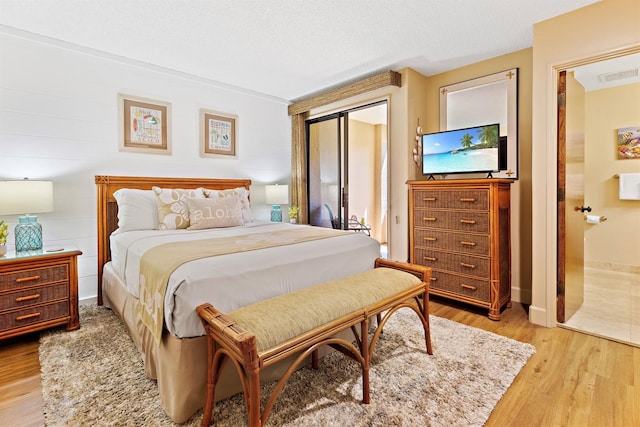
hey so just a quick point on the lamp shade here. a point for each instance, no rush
(25, 197)
(276, 194)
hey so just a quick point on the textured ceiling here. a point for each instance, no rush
(289, 49)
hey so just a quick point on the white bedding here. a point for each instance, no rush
(234, 280)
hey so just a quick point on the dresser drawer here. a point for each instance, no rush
(33, 315)
(461, 285)
(452, 199)
(467, 221)
(460, 242)
(454, 262)
(33, 296)
(33, 277)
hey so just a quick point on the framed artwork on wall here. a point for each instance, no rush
(218, 134)
(629, 143)
(144, 125)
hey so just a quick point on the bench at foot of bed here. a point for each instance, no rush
(300, 322)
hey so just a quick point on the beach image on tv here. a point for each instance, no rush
(463, 150)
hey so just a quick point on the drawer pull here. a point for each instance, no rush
(430, 239)
(28, 298)
(467, 221)
(27, 279)
(464, 264)
(467, 199)
(472, 288)
(430, 258)
(429, 218)
(463, 243)
(434, 279)
(429, 199)
(28, 316)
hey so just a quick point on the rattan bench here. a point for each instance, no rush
(298, 323)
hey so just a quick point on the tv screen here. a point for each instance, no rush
(467, 150)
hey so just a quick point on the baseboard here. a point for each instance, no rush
(538, 316)
(88, 301)
(612, 266)
(520, 295)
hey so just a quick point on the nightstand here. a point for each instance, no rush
(38, 290)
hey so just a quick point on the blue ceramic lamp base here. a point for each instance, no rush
(276, 213)
(28, 234)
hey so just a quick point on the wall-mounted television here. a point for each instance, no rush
(470, 150)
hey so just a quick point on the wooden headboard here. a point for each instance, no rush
(108, 207)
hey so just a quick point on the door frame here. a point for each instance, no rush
(552, 255)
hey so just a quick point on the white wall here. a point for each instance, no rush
(58, 121)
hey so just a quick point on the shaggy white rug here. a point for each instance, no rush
(94, 376)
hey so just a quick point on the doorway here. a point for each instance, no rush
(598, 271)
(346, 170)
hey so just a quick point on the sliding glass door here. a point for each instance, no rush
(346, 170)
(327, 174)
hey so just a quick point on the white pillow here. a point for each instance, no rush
(137, 210)
(173, 213)
(215, 212)
(241, 192)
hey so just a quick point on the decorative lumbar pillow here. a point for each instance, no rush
(173, 212)
(215, 212)
(137, 210)
(241, 192)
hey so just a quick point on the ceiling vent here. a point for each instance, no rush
(619, 75)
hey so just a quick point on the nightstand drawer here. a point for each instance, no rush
(29, 316)
(463, 242)
(468, 221)
(454, 262)
(33, 277)
(460, 285)
(25, 298)
(452, 199)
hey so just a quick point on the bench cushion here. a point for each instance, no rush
(278, 319)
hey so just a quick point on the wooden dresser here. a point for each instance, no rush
(38, 290)
(460, 228)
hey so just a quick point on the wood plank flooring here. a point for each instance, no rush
(574, 379)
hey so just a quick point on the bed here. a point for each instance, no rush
(176, 355)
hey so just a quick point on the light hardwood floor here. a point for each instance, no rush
(574, 379)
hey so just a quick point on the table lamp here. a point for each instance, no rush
(26, 197)
(276, 195)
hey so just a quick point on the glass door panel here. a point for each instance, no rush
(347, 170)
(324, 172)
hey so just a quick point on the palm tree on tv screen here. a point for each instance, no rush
(489, 135)
(466, 140)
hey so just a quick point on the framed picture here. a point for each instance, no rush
(629, 143)
(144, 125)
(218, 134)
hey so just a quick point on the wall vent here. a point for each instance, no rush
(619, 75)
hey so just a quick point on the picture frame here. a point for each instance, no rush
(218, 134)
(628, 143)
(144, 125)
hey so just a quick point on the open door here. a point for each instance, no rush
(571, 208)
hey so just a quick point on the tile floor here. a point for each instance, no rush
(611, 307)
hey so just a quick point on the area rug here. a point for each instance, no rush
(94, 376)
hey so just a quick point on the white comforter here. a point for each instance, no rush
(234, 280)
